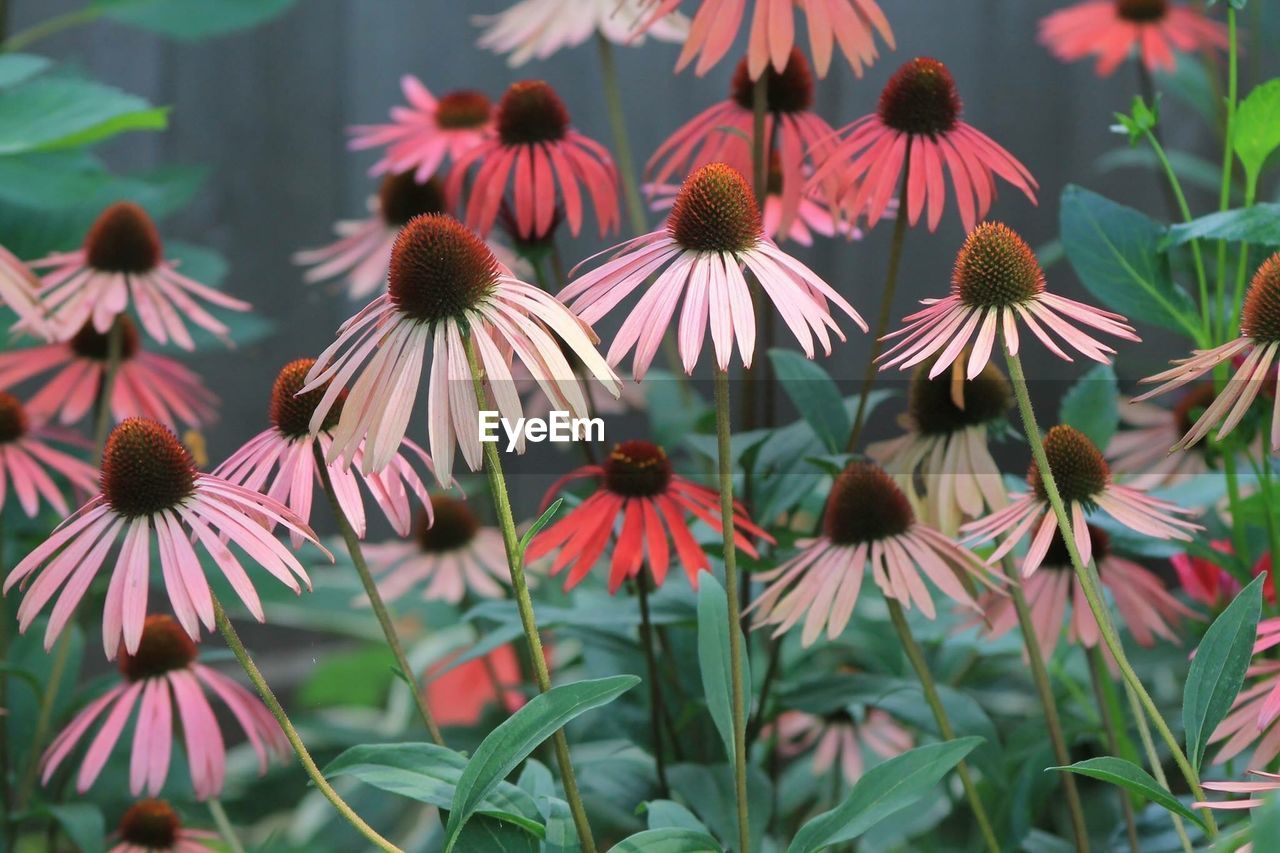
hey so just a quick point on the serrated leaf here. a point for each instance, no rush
(814, 395)
(191, 20)
(1258, 224)
(714, 659)
(1091, 405)
(668, 840)
(1256, 132)
(1133, 778)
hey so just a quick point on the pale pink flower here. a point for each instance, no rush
(146, 385)
(839, 739)
(1141, 453)
(1113, 30)
(1085, 485)
(631, 396)
(1269, 782)
(997, 283)
(1252, 721)
(121, 266)
(18, 291)
(536, 29)
(445, 292)
(427, 133)
(868, 526)
(281, 461)
(152, 826)
(714, 230)
(162, 675)
(29, 461)
(150, 493)
(547, 163)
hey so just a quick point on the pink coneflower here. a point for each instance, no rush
(631, 396)
(451, 552)
(363, 249)
(1205, 580)
(18, 291)
(997, 283)
(1112, 30)
(948, 423)
(1141, 453)
(1256, 708)
(445, 292)
(637, 492)
(1270, 782)
(152, 826)
(917, 127)
(1259, 343)
(28, 458)
(853, 24)
(713, 231)
(1085, 484)
(868, 524)
(120, 266)
(287, 448)
(160, 676)
(1146, 608)
(427, 133)
(147, 384)
(536, 29)
(722, 133)
(838, 738)
(460, 695)
(150, 492)
(546, 161)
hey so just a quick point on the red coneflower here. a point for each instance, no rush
(27, 458)
(1205, 580)
(460, 694)
(839, 738)
(1112, 30)
(430, 131)
(152, 826)
(536, 29)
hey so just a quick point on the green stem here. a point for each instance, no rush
(737, 654)
(1147, 88)
(1228, 163)
(375, 599)
(225, 829)
(1184, 210)
(49, 27)
(1089, 582)
(930, 689)
(44, 717)
(102, 419)
(621, 139)
(524, 604)
(1153, 759)
(1101, 682)
(655, 685)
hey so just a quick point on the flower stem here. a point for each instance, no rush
(375, 599)
(524, 603)
(1101, 688)
(225, 829)
(737, 654)
(102, 419)
(1153, 759)
(1228, 161)
(755, 377)
(1184, 210)
(295, 740)
(655, 684)
(1147, 89)
(49, 27)
(1089, 583)
(921, 667)
(621, 139)
(44, 717)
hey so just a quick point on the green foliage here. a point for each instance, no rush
(191, 20)
(1132, 778)
(714, 660)
(1259, 223)
(814, 395)
(1091, 405)
(1257, 128)
(668, 840)
(54, 111)
(352, 679)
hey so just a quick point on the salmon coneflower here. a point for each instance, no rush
(122, 265)
(445, 292)
(28, 459)
(146, 385)
(151, 493)
(462, 692)
(997, 283)
(1206, 580)
(917, 128)
(1259, 343)
(287, 448)
(536, 29)
(638, 493)
(547, 162)
(1085, 484)
(839, 739)
(161, 676)
(868, 525)
(152, 826)
(1253, 716)
(1113, 30)
(19, 292)
(427, 133)
(949, 421)
(1141, 453)
(714, 230)
(451, 553)
(852, 24)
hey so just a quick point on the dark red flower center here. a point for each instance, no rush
(637, 469)
(463, 109)
(1076, 464)
(164, 647)
(1142, 11)
(715, 211)
(933, 407)
(439, 269)
(1057, 557)
(1261, 317)
(145, 469)
(1192, 405)
(291, 412)
(790, 91)
(455, 525)
(401, 197)
(531, 112)
(995, 267)
(13, 418)
(90, 343)
(920, 98)
(123, 239)
(150, 825)
(865, 505)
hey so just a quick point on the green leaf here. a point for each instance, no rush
(1115, 251)
(190, 20)
(668, 814)
(16, 67)
(82, 823)
(522, 732)
(1133, 778)
(883, 791)
(543, 521)
(714, 659)
(668, 840)
(1217, 670)
(1090, 405)
(62, 112)
(1256, 132)
(814, 395)
(1264, 822)
(358, 678)
(1258, 224)
(495, 836)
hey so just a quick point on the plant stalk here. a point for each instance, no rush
(1101, 681)
(225, 829)
(656, 704)
(102, 418)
